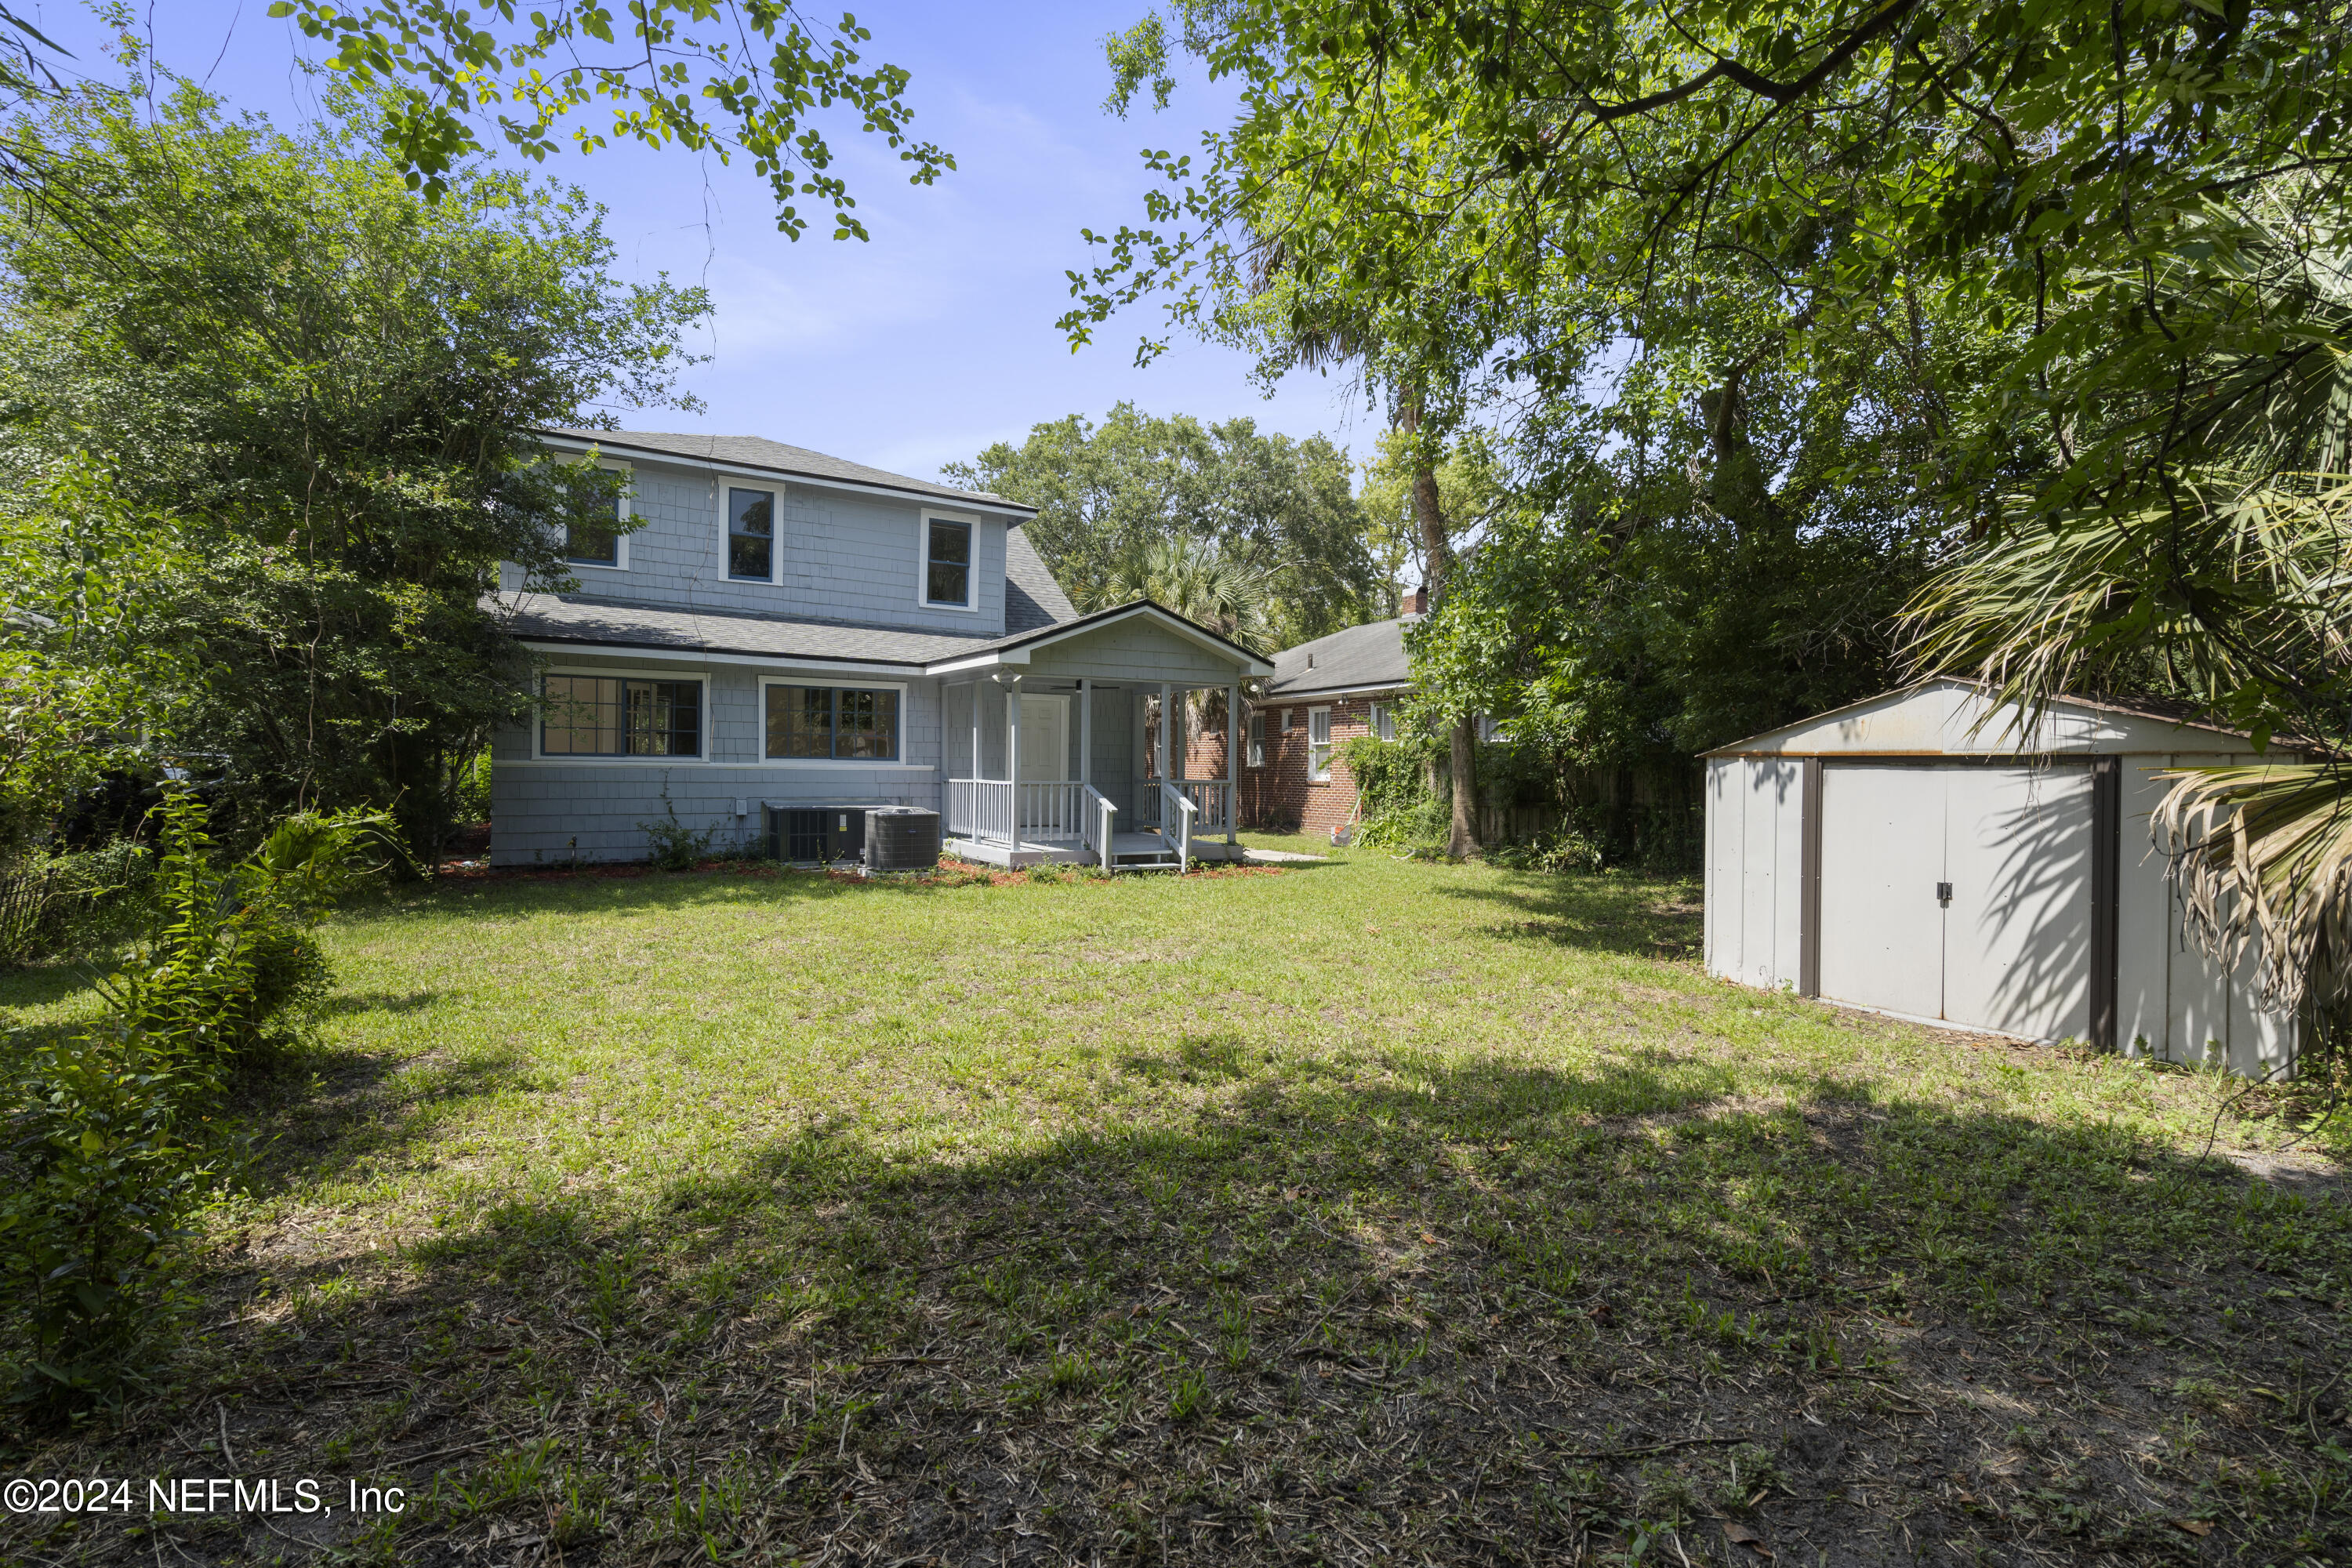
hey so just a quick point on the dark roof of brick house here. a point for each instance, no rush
(1361, 658)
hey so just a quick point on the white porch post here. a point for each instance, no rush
(1013, 750)
(975, 729)
(1085, 731)
(1232, 764)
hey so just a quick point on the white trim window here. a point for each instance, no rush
(751, 535)
(807, 723)
(1384, 721)
(620, 716)
(593, 541)
(1318, 745)
(1258, 740)
(950, 571)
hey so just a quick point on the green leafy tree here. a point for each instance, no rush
(2143, 197)
(327, 384)
(82, 669)
(747, 80)
(1278, 510)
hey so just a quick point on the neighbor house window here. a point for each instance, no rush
(611, 716)
(947, 563)
(1258, 740)
(751, 534)
(1319, 743)
(593, 536)
(1384, 720)
(819, 722)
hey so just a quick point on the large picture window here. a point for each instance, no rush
(613, 716)
(947, 563)
(751, 535)
(831, 723)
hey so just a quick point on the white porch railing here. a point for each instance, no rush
(1053, 808)
(1213, 799)
(1176, 815)
(1098, 812)
(1044, 808)
(980, 809)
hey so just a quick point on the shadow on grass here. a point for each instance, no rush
(1442, 1313)
(1642, 917)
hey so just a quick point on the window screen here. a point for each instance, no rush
(750, 534)
(1258, 740)
(1384, 720)
(610, 716)
(826, 722)
(1319, 743)
(947, 566)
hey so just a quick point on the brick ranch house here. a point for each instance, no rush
(1322, 695)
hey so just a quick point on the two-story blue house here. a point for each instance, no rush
(783, 639)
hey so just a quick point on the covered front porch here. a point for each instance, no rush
(1072, 749)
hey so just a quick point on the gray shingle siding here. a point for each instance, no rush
(538, 808)
(840, 556)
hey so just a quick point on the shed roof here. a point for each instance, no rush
(776, 458)
(1961, 719)
(1369, 657)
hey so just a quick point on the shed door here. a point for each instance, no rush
(2017, 940)
(1881, 929)
(2011, 948)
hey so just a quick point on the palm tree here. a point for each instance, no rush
(1199, 582)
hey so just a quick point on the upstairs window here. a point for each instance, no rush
(751, 535)
(593, 535)
(611, 716)
(947, 563)
(1258, 740)
(1319, 743)
(830, 722)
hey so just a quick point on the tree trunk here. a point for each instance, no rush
(1438, 557)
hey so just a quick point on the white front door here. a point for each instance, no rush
(1044, 738)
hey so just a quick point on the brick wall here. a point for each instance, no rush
(1279, 791)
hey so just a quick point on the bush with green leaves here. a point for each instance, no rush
(103, 1173)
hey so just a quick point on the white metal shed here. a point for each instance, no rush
(1920, 854)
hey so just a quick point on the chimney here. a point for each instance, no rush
(1417, 601)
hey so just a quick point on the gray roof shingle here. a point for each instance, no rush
(1032, 597)
(759, 452)
(1361, 658)
(580, 618)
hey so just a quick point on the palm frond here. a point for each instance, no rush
(2262, 857)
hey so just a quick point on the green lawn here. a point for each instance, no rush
(1372, 1212)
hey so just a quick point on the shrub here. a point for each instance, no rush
(670, 844)
(101, 1187)
(101, 1179)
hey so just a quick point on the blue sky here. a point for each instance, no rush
(935, 338)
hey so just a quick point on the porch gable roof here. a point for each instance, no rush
(1014, 650)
